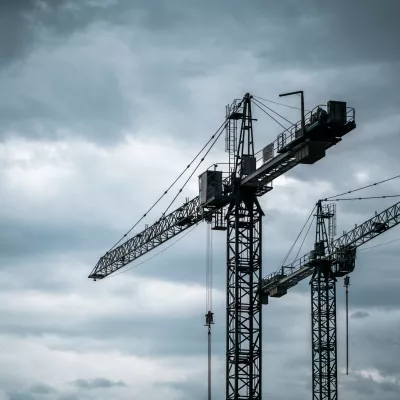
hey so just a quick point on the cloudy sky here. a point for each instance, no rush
(102, 104)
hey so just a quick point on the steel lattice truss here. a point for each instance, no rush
(324, 345)
(323, 316)
(167, 227)
(290, 275)
(243, 302)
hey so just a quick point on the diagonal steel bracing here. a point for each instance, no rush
(243, 357)
(324, 360)
(323, 316)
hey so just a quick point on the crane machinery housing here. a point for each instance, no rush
(229, 201)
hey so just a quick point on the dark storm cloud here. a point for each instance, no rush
(16, 29)
(296, 36)
(98, 383)
(338, 34)
(31, 26)
(23, 23)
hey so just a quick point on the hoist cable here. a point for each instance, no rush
(208, 269)
(346, 284)
(209, 313)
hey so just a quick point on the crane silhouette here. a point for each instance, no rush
(230, 202)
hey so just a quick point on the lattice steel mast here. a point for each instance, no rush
(323, 314)
(244, 221)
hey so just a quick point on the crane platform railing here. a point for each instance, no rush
(289, 135)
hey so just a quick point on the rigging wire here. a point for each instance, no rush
(153, 256)
(190, 176)
(304, 239)
(258, 101)
(279, 104)
(269, 115)
(294, 244)
(361, 188)
(379, 245)
(367, 198)
(222, 126)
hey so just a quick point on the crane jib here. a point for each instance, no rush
(292, 274)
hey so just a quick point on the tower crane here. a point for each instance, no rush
(325, 263)
(230, 202)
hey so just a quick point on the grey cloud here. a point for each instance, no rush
(342, 38)
(196, 390)
(21, 26)
(13, 18)
(98, 383)
(359, 315)
(41, 388)
(40, 238)
(34, 392)
(21, 396)
(100, 112)
(371, 389)
(26, 24)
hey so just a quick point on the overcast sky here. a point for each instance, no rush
(102, 104)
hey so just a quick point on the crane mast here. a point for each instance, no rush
(323, 315)
(244, 223)
(231, 204)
